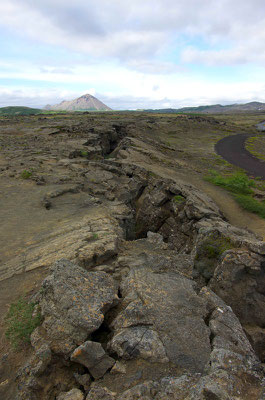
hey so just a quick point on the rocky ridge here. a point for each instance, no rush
(156, 295)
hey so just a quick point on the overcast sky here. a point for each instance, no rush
(132, 54)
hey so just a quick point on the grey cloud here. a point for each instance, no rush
(72, 17)
(144, 29)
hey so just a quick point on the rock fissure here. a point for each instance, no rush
(153, 287)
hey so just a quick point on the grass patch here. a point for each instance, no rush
(250, 204)
(240, 185)
(238, 182)
(21, 322)
(26, 174)
(256, 146)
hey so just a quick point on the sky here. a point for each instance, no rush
(132, 54)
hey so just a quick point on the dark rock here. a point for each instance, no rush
(256, 336)
(139, 342)
(239, 280)
(92, 355)
(83, 380)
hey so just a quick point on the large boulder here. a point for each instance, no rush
(162, 318)
(73, 303)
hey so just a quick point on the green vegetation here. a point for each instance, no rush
(256, 146)
(19, 111)
(26, 174)
(250, 204)
(84, 153)
(21, 320)
(94, 236)
(178, 199)
(240, 185)
(213, 247)
(152, 174)
(208, 253)
(237, 182)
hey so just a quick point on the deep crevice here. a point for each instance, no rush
(101, 335)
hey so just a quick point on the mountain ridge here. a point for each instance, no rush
(216, 108)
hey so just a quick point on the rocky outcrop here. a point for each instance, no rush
(73, 303)
(239, 279)
(163, 299)
(156, 322)
(91, 239)
(192, 339)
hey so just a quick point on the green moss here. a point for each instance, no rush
(26, 174)
(208, 253)
(21, 321)
(84, 153)
(178, 199)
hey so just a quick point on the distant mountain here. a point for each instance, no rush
(216, 108)
(13, 110)
(87, 102)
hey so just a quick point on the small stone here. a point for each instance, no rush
(74, 394)
(93, 356)
(100, 393)
(83, 380)
(118, 368)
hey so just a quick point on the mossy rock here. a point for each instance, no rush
(208, 254)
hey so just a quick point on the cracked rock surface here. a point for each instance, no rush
(134, 305)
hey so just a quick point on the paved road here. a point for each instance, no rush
(232, 149)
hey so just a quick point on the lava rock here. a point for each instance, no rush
(93, 356)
